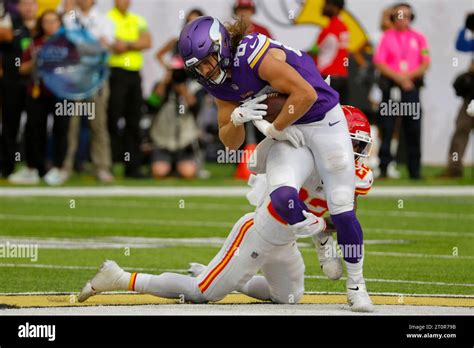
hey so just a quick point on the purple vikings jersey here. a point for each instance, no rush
(245, 82)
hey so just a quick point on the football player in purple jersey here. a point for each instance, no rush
(239, 70)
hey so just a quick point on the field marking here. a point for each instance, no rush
(110, 220)
(72, 267)
(415, 214)
(377, 280)
(247, 207)
(218, 191)
(28, 301)
(419, 232)
(181, 205)
(434, 256)
(116, 242)
(236, 292)
(181, 223)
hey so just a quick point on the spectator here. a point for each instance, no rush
(402, 59)
(154, 100)
(40, 103)
(330, 50)
(245, 10)
(172, 44)
(174, 131)
(464, 86)
(13, 85)
(6, 28)
(86, 15)
(131, 37)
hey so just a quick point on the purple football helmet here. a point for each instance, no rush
(204, 36)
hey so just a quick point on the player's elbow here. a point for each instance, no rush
(309, 95)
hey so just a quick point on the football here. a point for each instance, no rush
(275, 102)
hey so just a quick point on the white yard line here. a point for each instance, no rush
(215, 224)
(183, 205)
(39, 293)
(419, 232)
(241, 309)
(160, 270)
(110, 220)
(433, 256)
(139, 242)
(218, 191)
(415, 214)
(377, 280)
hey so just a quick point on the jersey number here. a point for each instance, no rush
(240, 52)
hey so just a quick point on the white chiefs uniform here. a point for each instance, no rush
(263, 240)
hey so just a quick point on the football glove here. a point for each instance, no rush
(290, 133)
(308, 227)
(251, 110)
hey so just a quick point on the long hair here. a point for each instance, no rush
(237, 31)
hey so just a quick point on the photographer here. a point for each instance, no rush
(174, 130)
(464, 86)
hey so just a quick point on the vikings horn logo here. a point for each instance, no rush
(303, 12)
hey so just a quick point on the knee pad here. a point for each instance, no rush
(338, 160)
(340, 200)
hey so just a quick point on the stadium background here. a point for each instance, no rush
(439, 20)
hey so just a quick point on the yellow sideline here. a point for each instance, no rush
(28, 301)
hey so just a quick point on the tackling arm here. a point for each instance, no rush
(285, 79)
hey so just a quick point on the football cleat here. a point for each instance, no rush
(329, 260)
(86, 292)
(358, 298)
(195, 269)
(109, 277)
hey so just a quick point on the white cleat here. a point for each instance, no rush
(108, 278)
(329, 260)
(358, 298)
(86, 292)
(195, 269)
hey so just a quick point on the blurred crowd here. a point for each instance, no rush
(173, 130)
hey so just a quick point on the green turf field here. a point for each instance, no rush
(424, 247)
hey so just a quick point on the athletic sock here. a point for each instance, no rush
(354, 272)
(349, 236)
(168, 285)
